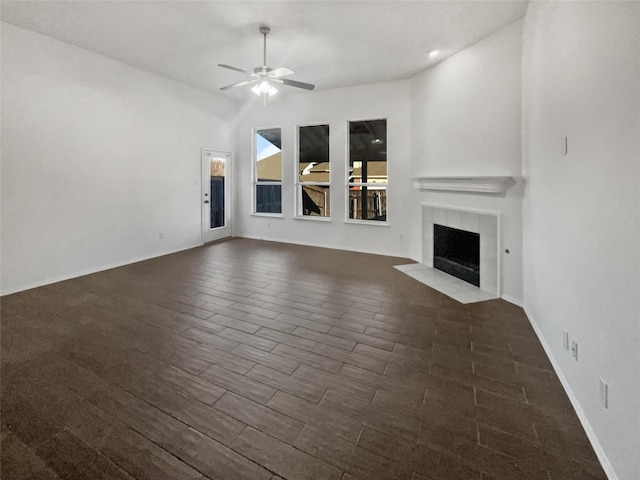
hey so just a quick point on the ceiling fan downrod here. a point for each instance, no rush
(264, 31)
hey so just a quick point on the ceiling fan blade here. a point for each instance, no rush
(293, 83)
(239, 84)
(236, 69)
(280, 72)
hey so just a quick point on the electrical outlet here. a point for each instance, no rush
(604, 393)
(161, 235)
(574, 350)
(565, 340)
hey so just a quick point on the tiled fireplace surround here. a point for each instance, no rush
(486, 224)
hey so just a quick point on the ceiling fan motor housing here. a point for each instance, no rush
(262, 71)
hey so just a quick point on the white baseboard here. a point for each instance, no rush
(321, 245)
(507, 298)
(591, 434)
(61, 278)
(518, 303)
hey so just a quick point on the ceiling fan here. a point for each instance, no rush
(265, 78)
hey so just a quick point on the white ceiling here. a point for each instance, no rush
(328, 43)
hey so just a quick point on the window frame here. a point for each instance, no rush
(348, 184)
(298, 214)
(254, 174)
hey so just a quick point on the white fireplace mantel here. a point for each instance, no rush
(486, 185)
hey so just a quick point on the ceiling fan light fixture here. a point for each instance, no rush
(264, 88)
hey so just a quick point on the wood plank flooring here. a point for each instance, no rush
(257, 360)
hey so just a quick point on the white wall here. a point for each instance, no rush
(582, 211)
(335, 107)
(97, 159)
(465, 121)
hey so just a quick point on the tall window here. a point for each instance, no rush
(367, 173)
(268, 171)
(313, 175)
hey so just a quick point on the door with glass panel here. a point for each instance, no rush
(216, 195)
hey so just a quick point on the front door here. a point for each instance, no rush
(216, 195)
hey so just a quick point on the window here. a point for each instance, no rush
(367, 170)
(313, 175)
(268, 171)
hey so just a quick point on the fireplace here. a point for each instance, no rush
(447, 235)
(457, 252)
(483, 226)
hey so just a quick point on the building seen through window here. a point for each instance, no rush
(268, 171)
(313, 175)
(367, 170)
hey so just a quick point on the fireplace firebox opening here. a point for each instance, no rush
(457, 252)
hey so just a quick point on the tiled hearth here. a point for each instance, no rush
(484, 223)
(451, 286)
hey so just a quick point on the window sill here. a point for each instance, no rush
(265, 214)
(368, 222)
(312, 218)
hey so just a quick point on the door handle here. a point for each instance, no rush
(206, 201)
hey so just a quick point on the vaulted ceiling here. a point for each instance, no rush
(328, 43)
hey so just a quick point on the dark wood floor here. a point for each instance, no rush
(257, 360)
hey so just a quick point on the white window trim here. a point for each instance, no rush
(313, 218)
(375, 223)
(358, 221)
(267, 214)
(297, 207)
(254, 174)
